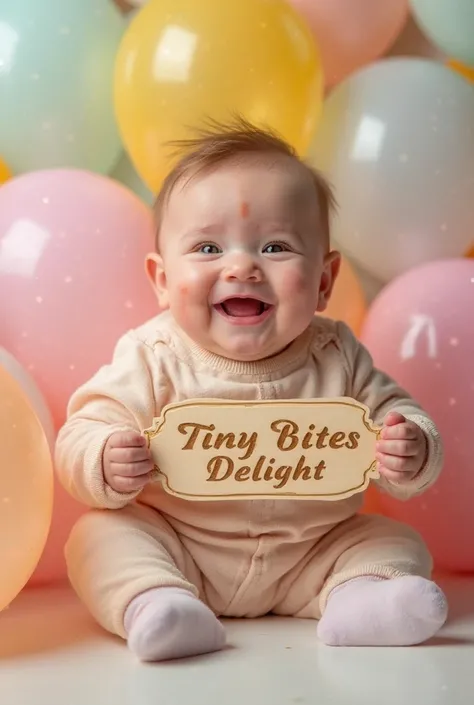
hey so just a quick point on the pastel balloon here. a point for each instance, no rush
(347, 302)
(421, 331)
(466, 71)
(72, 281)
(26, 481)
(31, 392)
(5, 172)
(125, 173)
(402, 178)
(56, 84)
(351, 33)
(413, 42)
(182, 62)
(449, 24)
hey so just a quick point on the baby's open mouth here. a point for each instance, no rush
(243, 307)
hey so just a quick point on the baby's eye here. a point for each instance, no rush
(275, 247)
(209, 249)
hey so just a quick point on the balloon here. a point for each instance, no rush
(421, 331)
(351, 33)
(56, 84)
(125, 173)
(347, 302)
(5, 172)
(412, 42)
(26, 494)
(402, 178)
(31, 392)
(182, 62)
(462, 69)
(449, 24)
(129, 5)
(72, 281)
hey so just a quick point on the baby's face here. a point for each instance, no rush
(243, 263)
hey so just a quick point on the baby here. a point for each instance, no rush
(242, 264)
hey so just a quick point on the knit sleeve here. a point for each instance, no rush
(381, 394)
(121, 396)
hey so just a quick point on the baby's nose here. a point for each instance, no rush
(243, 267)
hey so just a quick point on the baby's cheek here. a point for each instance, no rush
(295, 282)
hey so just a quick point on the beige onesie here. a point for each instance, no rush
(242, 558)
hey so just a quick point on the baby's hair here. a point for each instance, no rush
(221, 142)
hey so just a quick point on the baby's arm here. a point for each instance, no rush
(119, 398)
(382, 395)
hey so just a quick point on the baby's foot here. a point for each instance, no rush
(370, 612)
(168, 623)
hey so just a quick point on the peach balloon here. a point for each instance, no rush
(347, 302)
(26, 489)
(32, 393)
(72, 281)
(352, 33)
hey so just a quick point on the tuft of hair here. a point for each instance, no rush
(219, 142)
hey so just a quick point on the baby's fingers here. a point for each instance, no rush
(402, 448)
(130, 484)
(132, 469)
(124, 456)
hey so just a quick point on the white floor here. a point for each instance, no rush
(52, 654)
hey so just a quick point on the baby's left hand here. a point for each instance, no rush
(402, 449)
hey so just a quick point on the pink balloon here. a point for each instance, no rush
(72, 280)
(352, 33)
(420, 330)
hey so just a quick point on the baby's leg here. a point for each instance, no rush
(368, 582)
(139, 582)
(380, 592)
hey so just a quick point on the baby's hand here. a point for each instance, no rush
(127, 462)
(401, 451)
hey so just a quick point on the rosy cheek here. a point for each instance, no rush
(294, 282)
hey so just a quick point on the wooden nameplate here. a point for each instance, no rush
(214, 449)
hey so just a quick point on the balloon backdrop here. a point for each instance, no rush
(466, 71)
(5, 172)
(183, 61)
(31, 392)
(347, 302)
(125, 173)
(403, 178)
(351, 33)
(56, 84)
(72, 280)
(421, 331)
(449, 24)
(26, 494)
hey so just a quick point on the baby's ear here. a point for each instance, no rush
(156, 274)
(332, 264)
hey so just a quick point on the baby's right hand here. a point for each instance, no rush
(127, 462)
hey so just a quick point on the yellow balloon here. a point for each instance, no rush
(26, 489)
(184, 61)
(5, 172)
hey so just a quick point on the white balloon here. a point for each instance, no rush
(397, 142)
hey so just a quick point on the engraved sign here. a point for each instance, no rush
(214, 449)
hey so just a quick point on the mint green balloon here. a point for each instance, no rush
(449, 24)
(56, 84)
(124, 172)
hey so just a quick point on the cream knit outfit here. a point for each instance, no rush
(242, 558)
